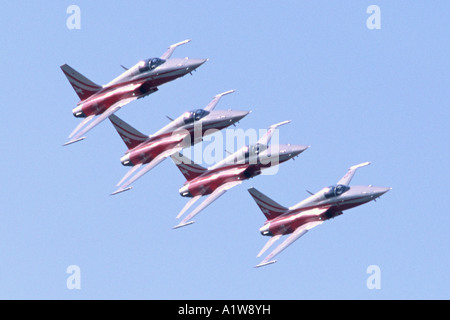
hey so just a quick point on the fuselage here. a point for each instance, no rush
(185, 131)
(241, 165)
(330, 202)
(138, 81)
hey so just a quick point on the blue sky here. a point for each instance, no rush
(352, 93)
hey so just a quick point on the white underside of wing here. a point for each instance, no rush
(129, 173)
(81, 125)
(210, 199)
(144, 170)
(269, 244)
(300, 231)
(188, 205)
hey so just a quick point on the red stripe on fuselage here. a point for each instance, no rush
(289, 224)
(210, 181)
(171, 133)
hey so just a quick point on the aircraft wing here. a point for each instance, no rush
(265, 139)
(268, 244)
(172, 48)
(77, 134)
(216, 99)
(129, 173)
(188, 205)
(211, 198)
(351, 172)
(300, 231)
(144, 170)
(81, 125)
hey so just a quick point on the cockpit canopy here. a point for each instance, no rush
(150, 64)
(195, 115)
(334, 191)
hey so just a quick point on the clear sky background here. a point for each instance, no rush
(352, 93)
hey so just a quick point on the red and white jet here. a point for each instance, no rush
(145, 152)
(244, 164)
(136, 82)
(311, 212)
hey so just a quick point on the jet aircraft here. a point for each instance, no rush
(244, 164)
(145, 152)
(136, 82)
(311, 212)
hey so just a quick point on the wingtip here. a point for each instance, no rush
(73, 141)
(227, 92)
(281, 123)
(120, 191)
(181, 43)
(265, 264)
(180, 225)
(360, 165)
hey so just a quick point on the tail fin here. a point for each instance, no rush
(188, 168)
(270, 208)
(129, 135)
(82, 85)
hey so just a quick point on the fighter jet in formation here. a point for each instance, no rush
(145, 152)
(311, 212)
(244, 164)
(99, 102)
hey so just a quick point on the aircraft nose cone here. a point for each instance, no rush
(296, 150)
(379, 191)
(238, 115)
(193, 64)
(376, 192)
